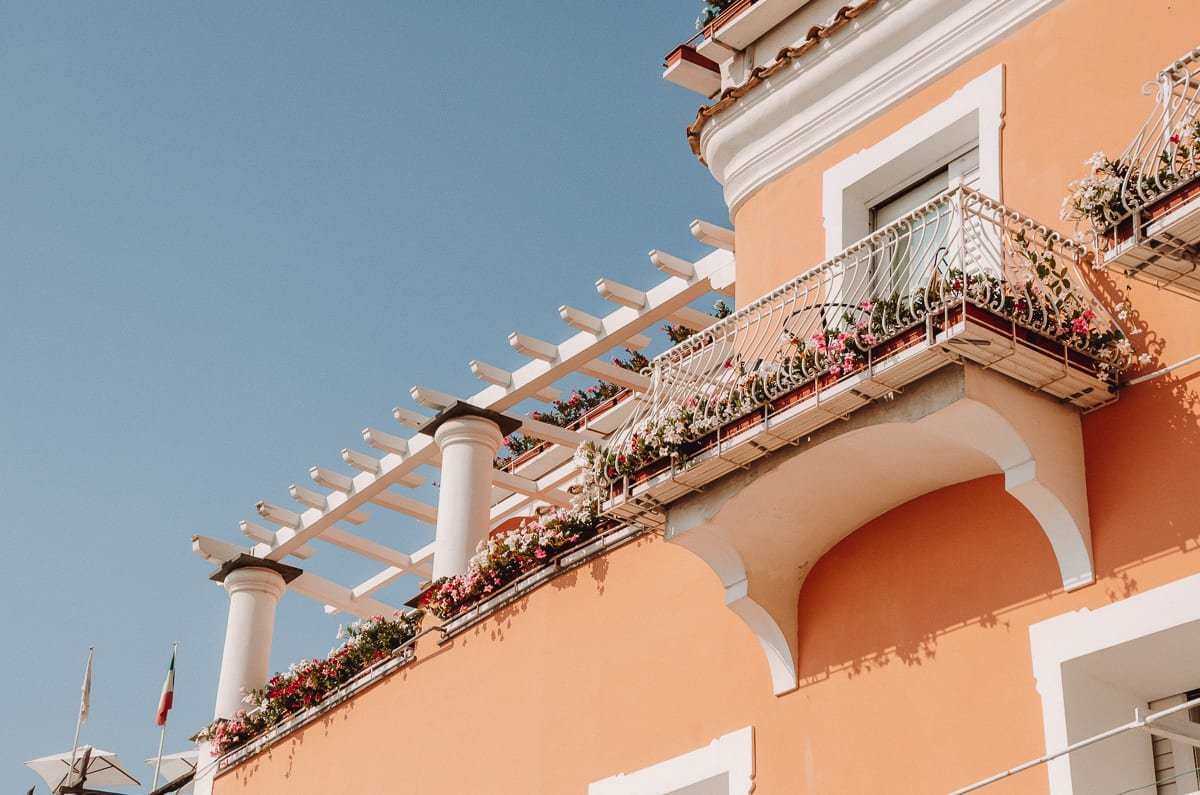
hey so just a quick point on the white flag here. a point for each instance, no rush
(85, 699)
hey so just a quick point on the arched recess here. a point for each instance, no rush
(762, 529)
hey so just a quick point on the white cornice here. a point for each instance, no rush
(864, 69)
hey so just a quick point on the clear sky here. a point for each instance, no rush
(231, 236)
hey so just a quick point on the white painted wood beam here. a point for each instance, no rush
(607, 371)
(489, 374)
(360, 461)
(621, 294)
(392, 469)
(406, 505)
(265, 535)
(278, 514)
(431, 398)
(219, 552)
(533, 347)
(637, 342)
(409, 418)
(367, 548)
(692, 318)
(384, 441)
(672, 265)
(338, 597)
(553, 433)
(422, 566)
(578, 319)
(334, 481)
(621, 325)
(528, 487)
(715, 271)
(712, 235)
(548, 394)
(306, 497)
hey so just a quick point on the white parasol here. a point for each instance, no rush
(104, 768)
(175, 765)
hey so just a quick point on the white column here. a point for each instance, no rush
(253, 594)
(468, 445)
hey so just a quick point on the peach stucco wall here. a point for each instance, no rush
(913, 632)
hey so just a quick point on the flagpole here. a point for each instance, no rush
(83, 707)
(163, 735)
(158, 762)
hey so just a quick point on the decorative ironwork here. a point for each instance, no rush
(1139, 209)
(961, 273)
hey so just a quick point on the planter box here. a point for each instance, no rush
(688, 68)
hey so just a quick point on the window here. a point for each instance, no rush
(909, 252)
(1176, 763)
(957, 142)
(1094, 668)
(724, 767)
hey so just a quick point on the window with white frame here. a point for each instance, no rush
(723, 767)
(1176, 762)
(955, 143)
(901, 256)
(1096, 669)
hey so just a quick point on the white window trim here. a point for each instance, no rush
(731, 754)
(973, 115)
(1065, 649)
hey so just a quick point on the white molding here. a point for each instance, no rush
(731, 755)
(883, 57)
(973, 115)
(1093, 667)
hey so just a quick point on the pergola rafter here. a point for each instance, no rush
(543, 481)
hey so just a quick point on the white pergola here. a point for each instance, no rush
(382, 478)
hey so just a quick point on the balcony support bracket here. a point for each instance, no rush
(761, 530)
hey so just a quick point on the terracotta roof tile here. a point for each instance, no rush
(783, 59)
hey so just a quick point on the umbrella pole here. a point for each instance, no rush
(158, 762)
(83, 710)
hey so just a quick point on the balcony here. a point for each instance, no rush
(1142, 209)
(961, 279)
(955, 343)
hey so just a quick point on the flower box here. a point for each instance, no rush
(688, 68)
(733, 11)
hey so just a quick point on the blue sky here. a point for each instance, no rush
(231, 236)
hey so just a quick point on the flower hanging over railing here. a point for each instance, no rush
(905, 284)
(308, 683)
(504, 557)
(1163, 157)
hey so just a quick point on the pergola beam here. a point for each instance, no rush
(406, 505)
(338, 596)
(712, 235)
(621, 376)
(422, 565)
(530, 488)
(672, 265)
(536, 378)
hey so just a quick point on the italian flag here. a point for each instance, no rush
(168, 695)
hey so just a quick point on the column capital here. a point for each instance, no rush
(248, 573)
(462, 410)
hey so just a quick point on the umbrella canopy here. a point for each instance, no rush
(175, 765)
(103, 768)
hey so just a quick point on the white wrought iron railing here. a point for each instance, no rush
(961, 258)
(1163, 157)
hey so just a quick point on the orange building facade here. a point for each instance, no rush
(965, 542)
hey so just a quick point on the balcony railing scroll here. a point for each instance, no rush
(1124, 203)
(960, 269)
